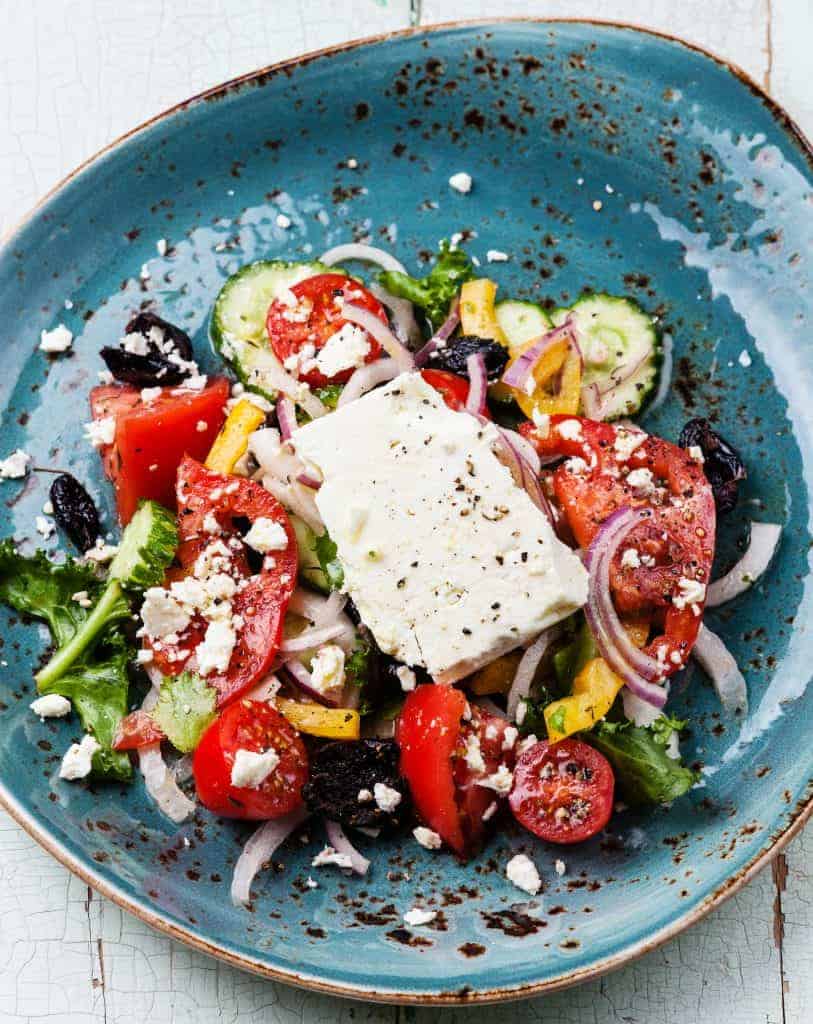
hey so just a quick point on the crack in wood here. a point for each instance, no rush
(779, 870)
(768, 44)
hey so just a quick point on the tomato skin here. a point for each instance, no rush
(250, 725)
(473, 800)
(454, 390)
(288, 335)
(678, 537)
(136, 730)
(152, 439)
(570, 775)
(427, 733)
(262, 603)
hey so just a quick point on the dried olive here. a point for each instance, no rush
(456, 351)
(340, 771)
(142, 323)
(150, 370)
(723, 465)
(75, 511)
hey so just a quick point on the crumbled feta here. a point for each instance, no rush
(144, 273)
(559, 867)
(427, 838)
(541, 421)
(509, 737)
(330, 856)
(626, 441)
(490, 811)
(365, 796)
(692, 592)
(161, 246)
(59, 339)
(570, 430)
(527, 741)
(642, 482)
(744, 359)
(250, 768)
(346, 349)
(417, 917)
(201, 426)
(105, 377)
(197, 382)
(406, 677)
(150, 395)
(500, 781)
(282, 221)
(386, 797)
(44, 526)
(214, 652)
(461, 182)
(327, 668)
(101, 432)
(101, 552)
(311, 883)
(15, 466)
(48, 507)
(696, 454)
(577, 466)
(266, 535)
(78, 759)
(144, 656)
(630, 559)
(68, 303)
(211, 524)
(521, 870)
(496, 256)
(352, 163)
(597, 205)
(162, 614)
(82, 599)
(135, 343)
(474, 755)
(51, 705)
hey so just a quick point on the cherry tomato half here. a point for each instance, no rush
(563, 792)
(256, 726)
(454, 390)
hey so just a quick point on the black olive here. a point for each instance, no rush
(339, 771)
(142, 323)
(723, 465)
(75, 511)
(456, 351)
(150, 370)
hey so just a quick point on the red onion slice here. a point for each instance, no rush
(364, 253)
(286, 416)
(382, 334)
(296, 499)
(182, 768)
(265, 690)
(478, 384)
(309, 480)
(526, 670)
(524, 475)
(260, 847)
(275, 375)
(316, 607)
(521, 369)
(761, 549)
(160, 784)
(666, 374)
(639, 671)
(313, 637)
(300, 675)
(718, 663)
(402, 315)
(441, 335)
(341, 844)
(367, 377)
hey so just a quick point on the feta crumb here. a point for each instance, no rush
(346, 349)
(522, 708)
(417, 917)
(692, 592)
(78, 759)
(696, 454)
(266, 535)
(15, 466)
(406, 677)
(577, 466)
(101, 552)
(82, 599)
(327, 668)
(144, 656)
(570, 430)
(559, 867)
(541, 421)
(352, 163)
(597, 205)
(490, 811)
(626, 441)
(68, 303)
(197, 382)
(144, 273)
(150, 395)
(461, 182)
(311, 883)
(521, 870)
(474, 756)
(744, 359)
(630, 559)
(509, 737)
(105, 377)
(214, 652)
(364, 796)
(250, 768)
(101, 432)
(386, 797)
(59, 339)
(500, 781)
(211, 524)
(44, 527)
(496, 256)
(201, 426)
(162, 614)
(282, 221)
(51, 705)
(427, 838)
(161, 246)
(642, 482)
(136, 343)
(48, 508)
(330, 856)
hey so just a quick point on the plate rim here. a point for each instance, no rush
(777, 841)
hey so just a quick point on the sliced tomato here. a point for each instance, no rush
(256, 726)
(676, 542)
(152, 438)
(261, 602)
(314, 318)
(136, 730)
(563, 792)
(454, 390)
(432, 735)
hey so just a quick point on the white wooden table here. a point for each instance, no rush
(73, 75)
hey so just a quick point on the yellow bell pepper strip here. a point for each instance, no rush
(477, 314)
(560, 361)
(594, 690)
(231, 443)
(315, 720)
(497, 676)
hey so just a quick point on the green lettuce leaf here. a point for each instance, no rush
(327, 553)
(185, 709)
(435, 292)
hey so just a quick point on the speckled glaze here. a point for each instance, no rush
(706, 217)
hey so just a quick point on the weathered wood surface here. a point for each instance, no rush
(75, 75)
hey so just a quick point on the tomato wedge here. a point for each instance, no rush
(611, 467)
(254, 726)
(151, 438)
(263, 598)
(299, 329)
(454, 390)
(136, 730)
(562, 792)
(433, 735)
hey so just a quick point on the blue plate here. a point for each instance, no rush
(603, 158)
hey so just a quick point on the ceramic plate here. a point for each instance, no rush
(603, 158)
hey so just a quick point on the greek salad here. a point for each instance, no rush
(407, 564)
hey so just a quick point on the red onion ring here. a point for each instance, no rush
(367, 377)
(522, 368)
(441, 335)
(640, 672)
(364, 253)
(308, 480)
(381, 333)
(718, 663)
(761, 549)
(478, 384)
(300, 675)
(259, 848)
(286, 417)
(523, 473)
(313, 637)
(341, 844)
(526, 670)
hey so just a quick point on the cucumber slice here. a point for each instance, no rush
(616, 335)
(521, 321)
(309, 568)
(146, 549)
(238, 317)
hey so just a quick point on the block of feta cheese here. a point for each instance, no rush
(449, 563)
